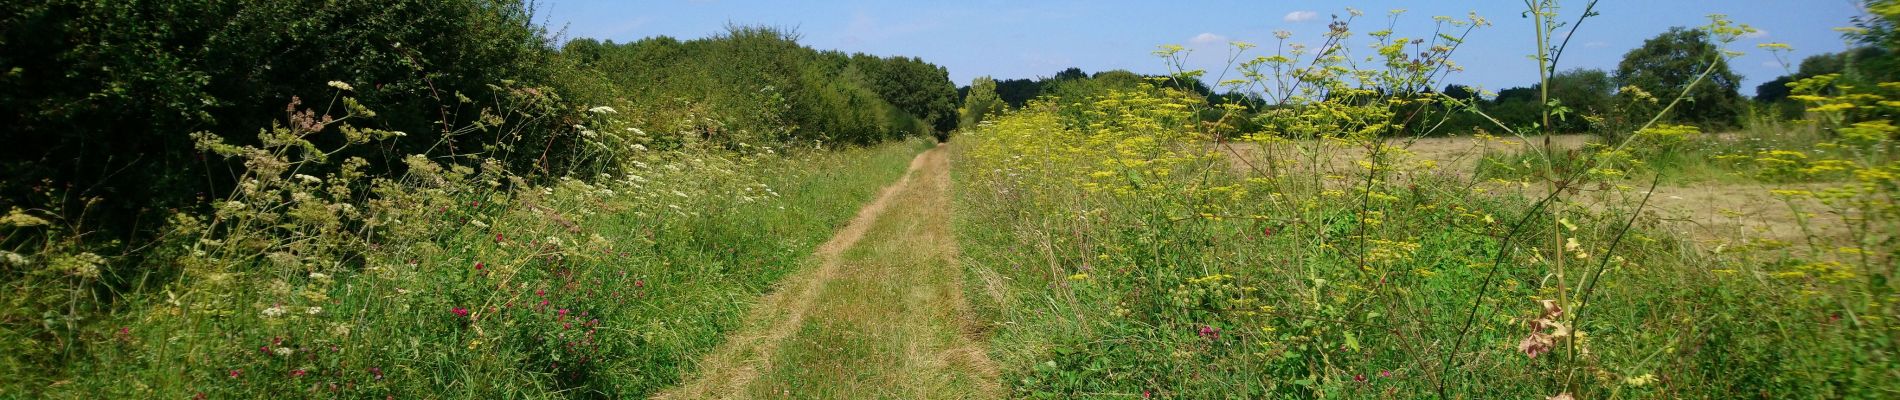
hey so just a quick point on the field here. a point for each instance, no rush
(219, 203)
(1718, 212)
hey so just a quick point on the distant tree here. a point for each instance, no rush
(1017, 92)
(1460, 92)
(1118, 78)
(1587, 93)
(919, 88)
(1516, 107)
(1775, 90)
(1672, 60)
(1516, 95)
(1071, 73)
(981, 103)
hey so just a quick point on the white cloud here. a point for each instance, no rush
(1300, 16)
(1207, 38)
(1757, 34)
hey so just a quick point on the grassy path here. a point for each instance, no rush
(881, 316)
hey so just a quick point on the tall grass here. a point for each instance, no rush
(1114, 253)
(447, 280)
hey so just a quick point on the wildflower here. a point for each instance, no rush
(376, 372)
(314, 310)
(273, 312)
(603, 110)
(1385, 373)
(1361, 378)
(297, 373)
(478, 266)
(236, 372)
(1640, 381)
(307, 179)
(9, 258)
(16, 217)
(500, 239)
(282, 351)
(1209, 332)
(84, 265)
(479, 224)
(458, 311)
(340, 85)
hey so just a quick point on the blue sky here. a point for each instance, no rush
(1025, 39)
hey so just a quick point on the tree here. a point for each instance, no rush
(1017, 92)
(1587, 93)
(1071, 74)
(1460, 92)
(981, 103)
(1672, 60)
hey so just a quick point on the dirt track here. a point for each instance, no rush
(882, 315)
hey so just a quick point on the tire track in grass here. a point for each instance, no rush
(880, 316)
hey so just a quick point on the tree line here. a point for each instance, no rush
(1586, 100)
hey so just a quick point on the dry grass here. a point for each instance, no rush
(1716, 215)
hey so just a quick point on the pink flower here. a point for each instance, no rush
(236, 372)
(639, 283)
(296, 373)
(1385, 373)
(459, 312)
(1210, 332)
(499, 238)
(478, 265)
(1361, 378)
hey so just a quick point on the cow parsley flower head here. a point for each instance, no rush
(340, 85)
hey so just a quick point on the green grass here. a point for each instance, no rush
(581, 293)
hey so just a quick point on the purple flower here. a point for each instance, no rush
(1209, 332)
